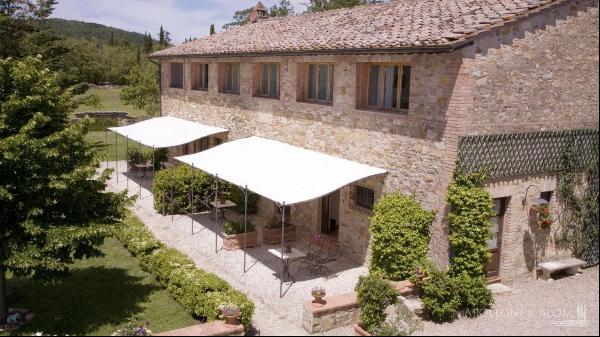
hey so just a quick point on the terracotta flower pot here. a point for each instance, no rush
(236, 241)
(359, 331)
(318, 301)
(273, 235)
(232, 320)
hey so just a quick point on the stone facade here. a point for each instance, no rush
(533, 74)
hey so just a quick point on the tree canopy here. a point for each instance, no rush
(141, 90)
(53, 205)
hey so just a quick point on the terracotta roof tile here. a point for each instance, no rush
(398, 24)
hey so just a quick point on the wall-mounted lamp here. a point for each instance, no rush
(535, 201)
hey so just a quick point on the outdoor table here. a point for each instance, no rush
(222, 206)
(143, 168)
(287, 258)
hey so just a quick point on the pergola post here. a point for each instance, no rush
(117, 156)
(127, 160)
(216, 212)
(139, 157)
(282, 245)
(245, 223)
(192, 200)
(106, 143)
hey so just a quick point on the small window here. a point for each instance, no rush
(365, 197)
(176, 75)
(269, 80)
(230, 78)
(320, 83)
(388, 87)
(547, 196)
(199, 76)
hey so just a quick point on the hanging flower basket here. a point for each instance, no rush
(545, 219)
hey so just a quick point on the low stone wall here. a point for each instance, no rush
(340, 310)
(217, 328)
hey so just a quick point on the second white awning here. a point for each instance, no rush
(162, 132)
(278, 171)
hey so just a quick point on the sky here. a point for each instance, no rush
(182, 18)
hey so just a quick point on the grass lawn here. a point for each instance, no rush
(110, 102)
(98, 298)
(99, 138)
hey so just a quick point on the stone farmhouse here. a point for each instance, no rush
(416, 87)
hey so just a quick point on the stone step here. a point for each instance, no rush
(498, 288)
(413, 305)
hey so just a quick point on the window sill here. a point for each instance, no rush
(229, 93)
(199, 90)
(175, 88)
(268, 97)
(394, 113)
(315, 103)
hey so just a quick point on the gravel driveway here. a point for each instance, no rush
(567, 306)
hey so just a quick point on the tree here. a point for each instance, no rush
(112, 38)
(53, 206)
(284, 8)
(240, 17)
(18, 19)
(148, 43)
(212, 29)
(161, 36)
(141, 90)
(325, 5)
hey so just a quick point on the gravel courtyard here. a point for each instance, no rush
(567, 306)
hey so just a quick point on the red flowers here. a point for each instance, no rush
(545, 219)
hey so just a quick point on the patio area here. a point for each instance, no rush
(274, 314)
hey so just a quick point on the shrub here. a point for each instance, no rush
(444, 295)
(80, 88)
(179, 180)
(237, 196)
(470, 224)
(232, 227)
(190, 287)
(137, 238)
(216, 299)
(474, 294)
(440, 296)
(400, 233)
(162, 262)
(374, 295)
(103, 123)
(404, 324)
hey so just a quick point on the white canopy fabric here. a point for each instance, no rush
(279, 171)
(164, 132)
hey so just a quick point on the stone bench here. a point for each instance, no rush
(570, 266)
(216, 328)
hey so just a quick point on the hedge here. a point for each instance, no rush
(137, 238)
(164, 261)
(201, 293)
(400, 233)
(179, 180)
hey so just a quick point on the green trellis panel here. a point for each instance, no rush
(516, 154)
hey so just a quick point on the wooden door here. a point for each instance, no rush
(325, 215)
(495, 244)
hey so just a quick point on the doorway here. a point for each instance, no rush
(330, 213)
(495, 244)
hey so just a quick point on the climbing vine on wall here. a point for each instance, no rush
(470, 224)
(577, 193)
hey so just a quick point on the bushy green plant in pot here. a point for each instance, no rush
(272, 232)
(234, 235)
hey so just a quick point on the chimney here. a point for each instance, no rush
(259, 12)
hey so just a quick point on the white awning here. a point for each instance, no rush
(278, 171)
(164, 132)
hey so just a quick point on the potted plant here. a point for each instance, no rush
(272, 232)
(233, 238)
(230, 312)
(544, 216)
(318, 293)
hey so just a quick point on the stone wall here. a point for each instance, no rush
(412, 146)
(524, 244)
(538, 74)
